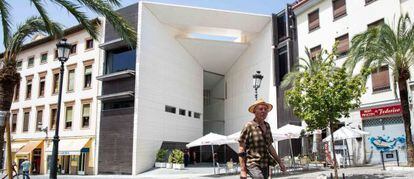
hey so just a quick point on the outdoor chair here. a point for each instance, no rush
(231, 167)
(219, 167)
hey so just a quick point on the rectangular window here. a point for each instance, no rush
(369, 1)
(30, 62)
(29, 89)
(68, 117)
(19, 64)
(88, 77)
(182, 112)
(281, 27)
(89, 44)
(315, 51)
(375, 24)
(17, 91)
(26, 121)
(86, 109)
(120, 60)
(53, 117)
(189, 113)
(380, 79)
(283, 62)
(39, 120)
(43, 58)
(313, 20)
(14, 122)
(197, 115)
(71, 80)
(55, 89)
(339, 8)
(170, 109)
(343, 45)
(73, 49)
(118, 105)
(42, 83)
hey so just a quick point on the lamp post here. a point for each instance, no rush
(63, 49)
(257, 80)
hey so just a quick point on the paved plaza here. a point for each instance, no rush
(370, 172)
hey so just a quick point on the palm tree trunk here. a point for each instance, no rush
(402, 85)
(6, 95)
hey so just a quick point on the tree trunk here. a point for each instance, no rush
(333, 151)
(6, 96)
(8, 79)
(402, 85)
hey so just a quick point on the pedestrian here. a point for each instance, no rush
(186, 158)
(256, 152)
(26, 168)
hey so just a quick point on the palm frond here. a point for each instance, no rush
(124, 29)
(79, 16)
(5, 20)
(42, 12)
(116, 3)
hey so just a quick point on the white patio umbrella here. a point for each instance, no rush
(233, 138)
(209, 139)
(344, 133)
(290, 132)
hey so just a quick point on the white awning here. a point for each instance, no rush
(69, 146)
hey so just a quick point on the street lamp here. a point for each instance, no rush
(63, 49)
(257, 80)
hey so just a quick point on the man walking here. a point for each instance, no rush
(256, 152)
(26, 169)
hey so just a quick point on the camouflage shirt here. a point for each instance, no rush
(257, 144)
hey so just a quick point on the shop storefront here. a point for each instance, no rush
(386, 127)
(75, 156)
(28, 150)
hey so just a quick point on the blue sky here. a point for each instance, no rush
(22, 9)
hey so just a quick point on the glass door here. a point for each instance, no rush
(81, 165)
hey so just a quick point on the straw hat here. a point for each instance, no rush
(260, 101)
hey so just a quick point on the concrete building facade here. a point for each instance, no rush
(320, 24)
(33, 111)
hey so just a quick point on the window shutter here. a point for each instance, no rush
(381, 79)
(343, 44)
(313, 19)
(339, 7)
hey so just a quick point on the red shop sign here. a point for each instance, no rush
(383, 111)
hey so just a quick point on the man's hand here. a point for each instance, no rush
(243, 174)
(282, 167)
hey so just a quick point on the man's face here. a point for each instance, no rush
(260, 111)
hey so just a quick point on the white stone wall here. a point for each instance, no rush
(240, 92)
(167, 75)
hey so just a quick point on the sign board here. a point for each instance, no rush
(382, 111)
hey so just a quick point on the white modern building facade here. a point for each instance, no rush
(320, 24)
(34, 108)
(189, 74)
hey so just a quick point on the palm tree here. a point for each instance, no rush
(9, 76)
(101, 7)
(384, 45)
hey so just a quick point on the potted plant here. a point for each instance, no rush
(160, 162)
(170, 161)
(178, 159)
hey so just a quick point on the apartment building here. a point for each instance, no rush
(189, 74)
(320, 24)
(34, 107)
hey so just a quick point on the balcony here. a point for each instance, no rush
(116, 75)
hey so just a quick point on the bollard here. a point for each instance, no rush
(331, 176)
(343, 175)
(382, 160)
(398, 158)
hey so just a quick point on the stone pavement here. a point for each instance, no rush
(370, 172)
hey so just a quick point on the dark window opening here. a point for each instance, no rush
(120, 60)
(73, 49)
(43, 58)
(53, 117)
(39, 118)
(376, 24)
(29, 89)
(189, 113)
(86, 115)
(42, 87)
(182, 112)
(14, 123)
(118, 104)
(89, 43)
(283, 62)
(170, 109)
(26, 121)
(281, 27)
(197, 115)
(369, 1)
(88, 77)
(30, 62)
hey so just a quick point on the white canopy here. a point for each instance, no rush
(289, 131)
(346, 133)
(209, 139)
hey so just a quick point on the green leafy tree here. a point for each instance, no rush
(384, 45)
(322, 97)
(161, 155)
